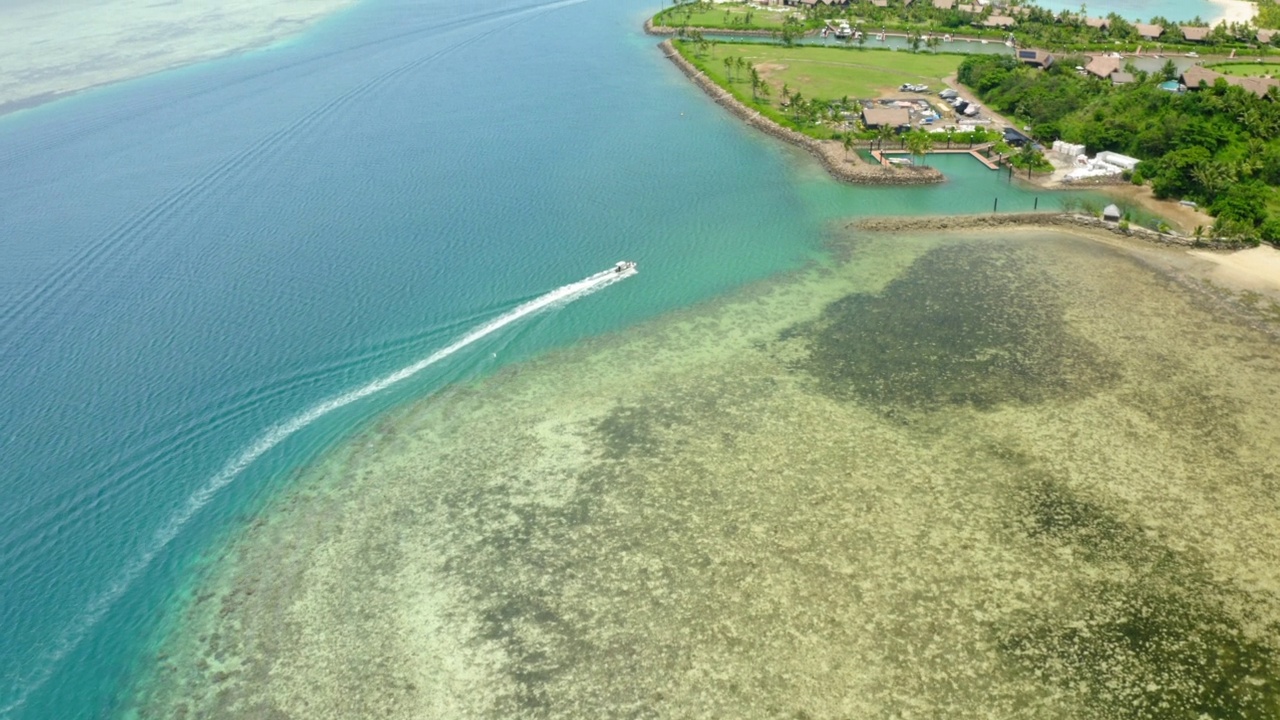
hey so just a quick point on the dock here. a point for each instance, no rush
(881, 156)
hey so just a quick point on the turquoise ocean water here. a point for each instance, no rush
(194, 263)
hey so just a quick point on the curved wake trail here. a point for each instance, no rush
(93, 613)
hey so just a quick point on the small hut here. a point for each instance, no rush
(1111, 213)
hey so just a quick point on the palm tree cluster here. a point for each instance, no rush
(805, 112)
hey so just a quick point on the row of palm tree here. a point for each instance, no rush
(917, 142)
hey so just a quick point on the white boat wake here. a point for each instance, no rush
(93, 613)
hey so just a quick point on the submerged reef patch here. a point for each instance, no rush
(722, 514)
(1144, 632)
(974, 325)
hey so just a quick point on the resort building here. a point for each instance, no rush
(1102, 66)
(999, 21)
(1194, 34)
(1097, 23)
(1148, 32)
(875, 118)
(1194, 75)
(1264, 36)
(1036, 58)
(1121, 78)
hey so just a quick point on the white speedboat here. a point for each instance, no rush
(623, 266)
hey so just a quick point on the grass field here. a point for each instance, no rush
(817, 73)
(723, 16)
(831, 73)
(1250, 69)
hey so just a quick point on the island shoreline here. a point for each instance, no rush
(1239, 282)
(1234, 11)
(829, 153)
(34, 79)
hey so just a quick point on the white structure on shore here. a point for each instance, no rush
(1121, 161)
(1104, 164)
(1071, 150)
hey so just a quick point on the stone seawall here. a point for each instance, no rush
(652, 29)
(830, 153)
(1044, 219)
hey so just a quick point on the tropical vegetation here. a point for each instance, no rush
(923, 23)
(1218, 146)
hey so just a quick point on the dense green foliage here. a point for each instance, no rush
(1268, 14)
(1064, 31)
(1218, 146)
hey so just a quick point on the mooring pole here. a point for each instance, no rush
(1037, 205)
(995, 205)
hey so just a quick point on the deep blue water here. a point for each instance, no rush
(191, 259)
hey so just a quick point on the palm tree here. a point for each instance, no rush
(1257, 148)
(755, 83)
(848, 144)
(884, 132)
(728, 68)
(1213, 177)
(1030, 157)
(919, 143)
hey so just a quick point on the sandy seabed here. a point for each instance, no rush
(52, 49)
(975, 476)
(1234, 11)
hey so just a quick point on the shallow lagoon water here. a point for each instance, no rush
(196, 259)
(1014, 475)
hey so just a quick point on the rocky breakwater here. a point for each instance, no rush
(652, 29)
(994, 220)
(841, 165)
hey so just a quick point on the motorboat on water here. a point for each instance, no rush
(623, 266)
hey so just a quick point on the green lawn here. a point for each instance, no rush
(1250, 69)
(728, 15)
(831, 73)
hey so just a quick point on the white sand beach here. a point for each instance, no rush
(1256, 269)
(53, 49)
(1233, 11)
